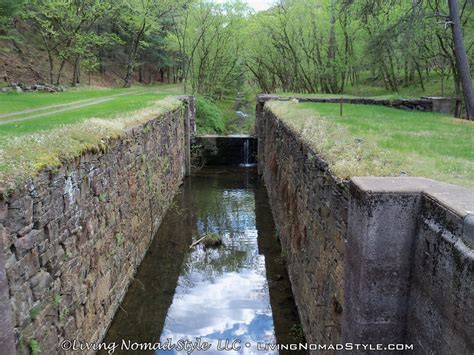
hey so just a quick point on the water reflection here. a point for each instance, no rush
(223, 292)
(237, 291)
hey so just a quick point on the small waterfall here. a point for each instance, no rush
(247, 159)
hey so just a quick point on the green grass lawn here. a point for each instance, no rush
(118, 102)
(381, 141)
(33, 144)
(12, 102)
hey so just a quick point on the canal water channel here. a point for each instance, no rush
(236, 296)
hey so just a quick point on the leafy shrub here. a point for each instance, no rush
(209, 117)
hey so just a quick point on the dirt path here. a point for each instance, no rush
(42, 108)
(57, 111)
(67, 107)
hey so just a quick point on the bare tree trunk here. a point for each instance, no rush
(162, 75)
(76, 79)
(60, 71)
(50, 59)
(127, 81)
(332, 49)
(51, 68)
(141, 73)
(462, 62)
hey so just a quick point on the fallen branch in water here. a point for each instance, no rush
(197, 242)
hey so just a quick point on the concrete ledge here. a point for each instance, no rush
(457, 198)
(403, 232)
(381, 228)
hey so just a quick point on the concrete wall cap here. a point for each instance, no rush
(265, 97)
(185, 97)
(459, 199)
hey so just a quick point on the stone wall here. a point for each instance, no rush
(310, 210)
(371, 260)
(73, 238)
(422, 104)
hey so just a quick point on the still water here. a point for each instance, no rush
(236, 295)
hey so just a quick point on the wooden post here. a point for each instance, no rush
(341, 102)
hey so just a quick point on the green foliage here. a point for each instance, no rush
(209, 37)
(65, 29)
(8, 10)
(215, 49)
(57, 299)
(103, 197)
(35, 311)
(330, 46)
(209, 117)
(64, 313)
(34, 346)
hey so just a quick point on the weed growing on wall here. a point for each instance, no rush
(57, 299)
(34, 312)
(34, 347)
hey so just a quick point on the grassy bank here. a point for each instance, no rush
(24, 155)
(381, 141)
(27, 113)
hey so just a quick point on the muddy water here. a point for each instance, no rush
(237, 295)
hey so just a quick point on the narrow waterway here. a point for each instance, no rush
(236, 294)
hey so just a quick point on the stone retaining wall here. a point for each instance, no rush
(310, 210)
(73, 238)
(371, 260)
(442, 105)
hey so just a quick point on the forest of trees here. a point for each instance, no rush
(214, 49)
